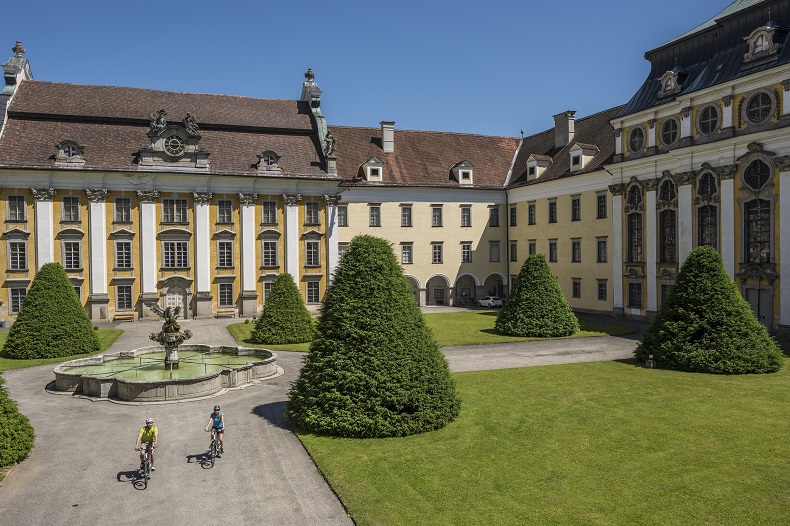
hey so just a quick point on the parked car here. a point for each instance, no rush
(490, 301)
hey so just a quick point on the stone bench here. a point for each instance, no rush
(125, 316)
(226, 313)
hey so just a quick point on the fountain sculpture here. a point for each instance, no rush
(171, 336)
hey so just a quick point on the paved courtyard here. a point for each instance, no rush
(83, 467)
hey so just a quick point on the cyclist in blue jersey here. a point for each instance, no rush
(216, 422)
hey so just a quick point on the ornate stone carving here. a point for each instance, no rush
(158, 121)
(247, 199)
(202, 198)
(782, 162)
(727, 100)
(291, 200)
(649, 184)
(97, 196)
(754, 148)
(777, 108)
(18, 49)
(268, 161)
(191, 125)
(617, 189)
(43, 194)
(329, 144)
(148, 196)
(651, 123)
(617, 132)
(758, 271)
(786, 84)
(685, 112)
(739, 111)
(682, 178)
(309, 75)
(332, 200)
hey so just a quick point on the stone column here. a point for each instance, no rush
(617, 250)
(727, 220)
(203, 294)
(783, 331)
(685, 217)
(45, 235)
(98, 299)
(148, 254)
(292, 235)
(332, 253)
(249, 291)
(651, 243)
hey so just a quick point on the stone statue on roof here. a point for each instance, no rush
(158, 121)
(191, 125)
(329, 144)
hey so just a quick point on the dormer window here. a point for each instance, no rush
(462, 173)
(762, 47)
(373, 170)
(672, 82)
(576, 161)
(581, 154)
(268, 161)
(536, 164)
(531, 171)
(69, 152)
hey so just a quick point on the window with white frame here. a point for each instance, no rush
(226, 294)
(123, 210)
(123, 254)
(436, 253)
(311, 213)
(313, 292)
(374, 212)
(17, 255)
(406, 254)
(493, 251)
(269, 212)
(312, 253)
(466, 252)
(123, 297)
(71, 208)
(175, 254)
(17, 297)
(405, 215)
(71, 255)
(342, 215)
(16, 207)
(267, 289)
(576, 250)
(269, 253)
(224, 211)
(174, 210)
(513, 251)
(225, 253)
(466, 216)
(436, 215)
(493, 216)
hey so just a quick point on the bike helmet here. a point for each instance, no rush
(149, 420)
(216, 408)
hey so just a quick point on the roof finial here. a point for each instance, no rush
(309, 75)
(522, 132)
(18, 49)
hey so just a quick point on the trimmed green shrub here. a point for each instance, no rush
(706, 326)
(536, 306)
(52, 322)
(374, 368)
(285, 319)
(16, 433)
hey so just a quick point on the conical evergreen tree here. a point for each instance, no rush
(285, 318)
(536, 306)
(705, 325)
(374, 368)
(51, 323)
(16, 433)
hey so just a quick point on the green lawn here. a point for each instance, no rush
(452, 328)
(603, 443)
(106, 338)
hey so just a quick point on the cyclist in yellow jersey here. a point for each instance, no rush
(147, 434)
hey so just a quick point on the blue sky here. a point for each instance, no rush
(474, 67)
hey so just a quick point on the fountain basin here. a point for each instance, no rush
(140, 375)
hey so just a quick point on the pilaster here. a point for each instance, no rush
(617, 250)
(783, 331)
(249, 294)
(203, 294)
(332, 252)
(650, 248)
(98, 300)
(727, 224)
(292, 235)
(685, 221)
(45, 235)
(148, 256)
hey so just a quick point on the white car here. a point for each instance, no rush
(490, 301)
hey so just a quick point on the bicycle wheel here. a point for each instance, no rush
(146, 470)
(213, 452)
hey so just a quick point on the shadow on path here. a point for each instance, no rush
(133, 477)
(202, 459)
(274, 413)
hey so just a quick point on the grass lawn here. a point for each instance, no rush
(602, 443)
(106, 338)
(452, 328)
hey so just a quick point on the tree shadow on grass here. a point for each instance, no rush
(274, 413)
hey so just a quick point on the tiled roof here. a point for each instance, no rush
(424, 158)
(112, 125)
(590, 132)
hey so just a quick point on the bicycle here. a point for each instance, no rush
(147, 463)
(215, 448)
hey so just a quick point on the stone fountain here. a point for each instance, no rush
(171, 336)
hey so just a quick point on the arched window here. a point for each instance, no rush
(706, 187)
(667, 193)
(635, 196)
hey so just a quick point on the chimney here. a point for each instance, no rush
(563, 128)
(388, 136)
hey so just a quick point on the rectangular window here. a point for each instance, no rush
(575, 161)
(602, 290)
(342, 215)
(224, 211)
(436, 216)
(532, 247)
(531, 213)
(436, 253)
(267, 289)
(123, 254)
(667, 228)
(269, 211)
(175, 254)
(225, 254)
(493, 251)
(531, 171)
(17, 255)
(635, 295)
(71, 255)
(78, 292)
(513, 216)
(466, 216)
(634, 240)
(758, 231)
(71, 208)
(553, 251)
(707, 225)
(513, 251)
(226, 294)
(174, 210)
(375, 215)
(601, 201)
(493, 216)
(576, 209)
(270, 253)
(552, 211)
(466, 252)
(123, 210)
(406, 254)
(313, 292)
(342, 248)
(602, 257)
(17, 297)
(665, 288)
(438, 296)
(577, 288)
(311, 210)
(312, 254)
(16, 209)
(405, 215)
(576, 250)
(123, 297)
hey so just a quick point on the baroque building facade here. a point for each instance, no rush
(202, 200)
